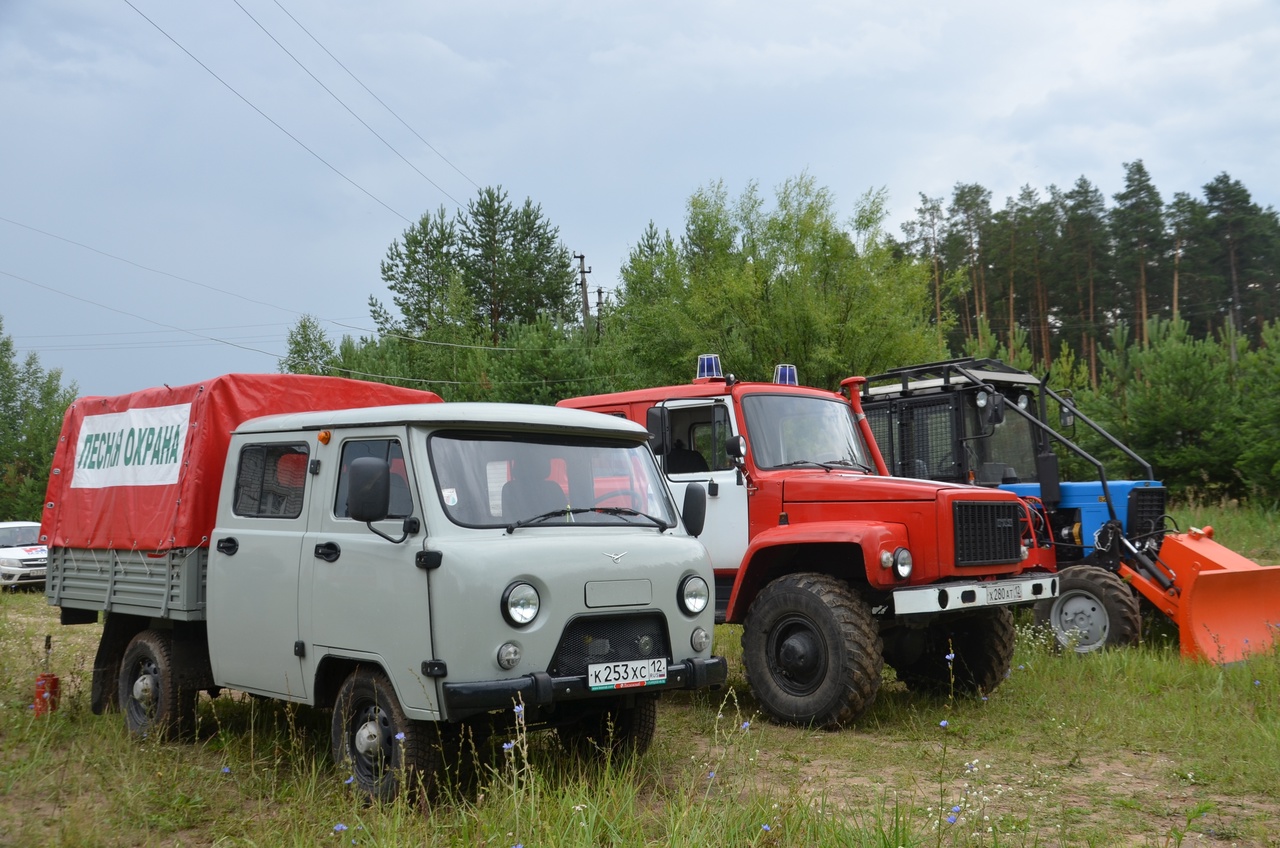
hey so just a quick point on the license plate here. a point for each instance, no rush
(625, 675)
(1009, 594)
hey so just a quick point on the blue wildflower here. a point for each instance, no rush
(746, 724)
(400, 736)
(951, 656)
(226, 769)
(956, 808)
(339, 827)
(519, 710)
(350, 780)
(1257, 683)
(507, 746)
(942, 723)
(765, 828)
(711, 775)
(951, 819)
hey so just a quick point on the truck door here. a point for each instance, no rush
(363, 596)
(252, 584)
(699, 428)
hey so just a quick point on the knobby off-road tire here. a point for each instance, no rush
(366, 737)
(811, 651)
(618, 732)
(1095, 609)
(152, 691)
(981, 647)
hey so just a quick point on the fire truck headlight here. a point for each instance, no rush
(902, 563)
(509, 656)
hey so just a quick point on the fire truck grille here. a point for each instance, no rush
(597, 639)
(1146, 510)
(987, 533)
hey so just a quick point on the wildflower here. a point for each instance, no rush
(746, 725)
(1257, 683)
(956, 808)
(519, 710)
(339, 827)
(226, 769)
(951, 819)
(942, 723)
(350, 780)
(765, 828)
(400, 736)
(1022, 668)
(951, 656)
(711, 775)
(507, 746)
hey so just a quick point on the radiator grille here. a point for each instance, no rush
(596, 639)
(987, 533)
(1146, 508)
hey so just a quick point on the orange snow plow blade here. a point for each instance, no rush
(1226, 606)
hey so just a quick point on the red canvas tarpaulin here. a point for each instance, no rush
(142, 470)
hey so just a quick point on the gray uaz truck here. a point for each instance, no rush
(417, 566)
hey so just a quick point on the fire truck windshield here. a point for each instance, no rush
(799, 430)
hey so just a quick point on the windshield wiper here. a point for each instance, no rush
(830, 465)
(555, 513)
(846, 463)
(626, 510)
(607, 510)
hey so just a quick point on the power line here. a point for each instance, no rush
(298, 62)
(376, 97)
(273, 123)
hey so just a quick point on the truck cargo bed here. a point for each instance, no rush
(163, 584)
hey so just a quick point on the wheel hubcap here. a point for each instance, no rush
(799, 656)
(144, 689)
(1082, 617)
(369, 738)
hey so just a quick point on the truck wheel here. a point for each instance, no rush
(150, 693)
(1094, 609)
(811, 651)
(384, 748)
(616, 732)
(981, 647)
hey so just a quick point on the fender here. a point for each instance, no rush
(763, 559)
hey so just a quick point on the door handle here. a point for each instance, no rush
(328, 551)
(228, 546)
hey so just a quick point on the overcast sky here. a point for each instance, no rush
(176, 190)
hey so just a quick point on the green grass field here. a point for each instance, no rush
(1132, 747)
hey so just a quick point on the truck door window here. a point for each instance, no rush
(698, 434)
(271, 480)
(388, 450)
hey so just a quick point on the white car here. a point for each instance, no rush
(22, 557)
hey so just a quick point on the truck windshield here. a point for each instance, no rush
(800, 430)
(1011, 445)
(488, 480)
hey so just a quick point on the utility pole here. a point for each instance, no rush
(583, 271)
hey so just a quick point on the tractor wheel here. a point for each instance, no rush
(811, 651)
(616, 732)
(385, 750)
(151, 691)
(1094, 609)
(966, 655)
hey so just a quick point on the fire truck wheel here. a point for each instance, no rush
(1094, 609)
(617, 732)
(153, 701)
(812, 651)
(385, 750)
(967, 655)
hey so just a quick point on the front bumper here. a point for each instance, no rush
(972, 594)
(541, 689)
(10, 576)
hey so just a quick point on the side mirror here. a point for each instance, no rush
(369, 489)
(694, 513)
(657, 423)
(995, 409)
(736, 447)
(1066, 417)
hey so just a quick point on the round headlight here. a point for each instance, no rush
(981, 400)
(902, 563)
(700, 640)
(1024, 401)
(520, 604)
(694, 595)
(886, 559)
